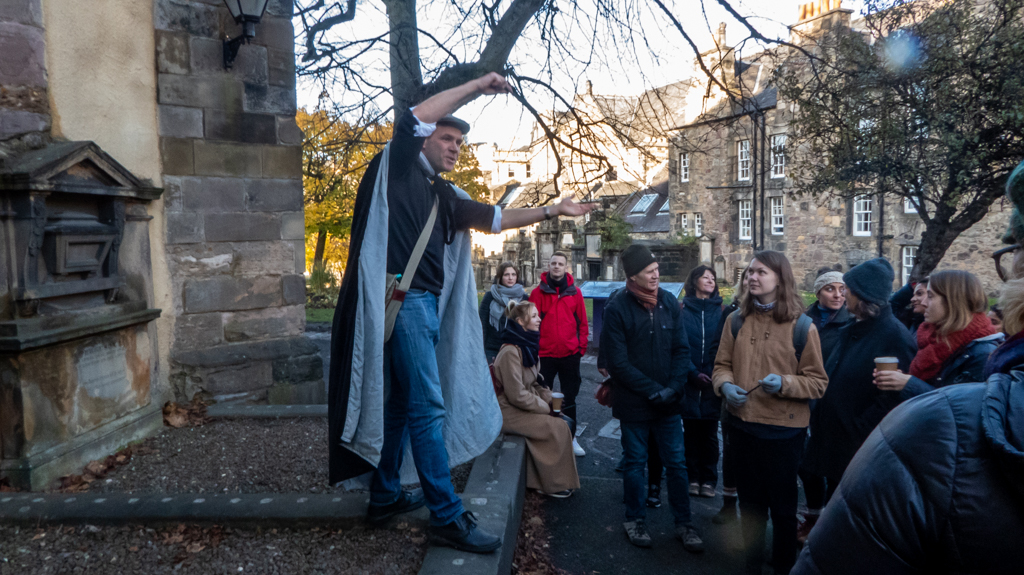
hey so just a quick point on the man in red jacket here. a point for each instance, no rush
(563, 332)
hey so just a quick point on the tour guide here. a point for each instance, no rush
(436, 383)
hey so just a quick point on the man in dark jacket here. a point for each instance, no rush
(644, 342)
(938, 487)
(563, 333)
(853, 405)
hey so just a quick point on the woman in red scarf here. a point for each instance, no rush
(954, 341)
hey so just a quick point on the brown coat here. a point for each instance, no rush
(551, 465)
(763, 347)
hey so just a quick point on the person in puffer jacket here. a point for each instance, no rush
(563, 333)
(938, 486)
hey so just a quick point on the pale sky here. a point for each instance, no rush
(668, 58)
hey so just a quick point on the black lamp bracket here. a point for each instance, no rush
(231, 46)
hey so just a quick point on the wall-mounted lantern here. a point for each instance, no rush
(248, 13)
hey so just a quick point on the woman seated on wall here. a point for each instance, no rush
(526, 406)
(954, 341)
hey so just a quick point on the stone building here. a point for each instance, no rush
(140, 178)
(729, 183)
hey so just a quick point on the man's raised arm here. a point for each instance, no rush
(443, 103)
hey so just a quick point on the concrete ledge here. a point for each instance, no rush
(269, 411)
(495, 492)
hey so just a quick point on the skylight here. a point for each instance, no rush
(644, 203)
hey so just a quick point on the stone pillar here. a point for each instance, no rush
(24, 105)
(232, 165)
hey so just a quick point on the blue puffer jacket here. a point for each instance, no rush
(965, 366)
(702, 318)
(938, 486)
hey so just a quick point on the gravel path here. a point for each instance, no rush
(234, 456)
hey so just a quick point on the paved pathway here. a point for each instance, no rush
(586, 529)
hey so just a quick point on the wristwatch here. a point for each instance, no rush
(547, 212)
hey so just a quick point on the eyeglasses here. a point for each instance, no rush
(998, 257)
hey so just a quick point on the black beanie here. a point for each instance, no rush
(635, 258)
(871, 281)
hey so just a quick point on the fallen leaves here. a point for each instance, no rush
(185, 414)
(95, 470)
(532, 556)
(5, 486)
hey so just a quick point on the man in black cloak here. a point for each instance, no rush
(428, 385)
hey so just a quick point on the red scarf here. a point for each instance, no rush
(932, 351)
(649, 298)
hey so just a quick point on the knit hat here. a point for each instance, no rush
(871, 281)
(827, 278)
(1015, 193)
(635, 258)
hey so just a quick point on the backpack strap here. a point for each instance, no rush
(735, 323)
(800, 330)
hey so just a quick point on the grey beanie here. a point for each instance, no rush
(635, 258)
(871, 281)
(827, 278)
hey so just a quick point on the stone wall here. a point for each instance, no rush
(24, 103)
(235, 231)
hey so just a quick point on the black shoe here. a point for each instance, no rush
(653, 496)
(727, 514)
(407, 501)
(464, 535)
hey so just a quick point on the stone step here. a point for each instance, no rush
(269, 411)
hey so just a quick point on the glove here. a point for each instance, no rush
(772, 383)
(665, 396)
(734, 395)
(704, 380)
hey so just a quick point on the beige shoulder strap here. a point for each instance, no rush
(417, 251)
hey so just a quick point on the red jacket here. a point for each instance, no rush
(563, 325)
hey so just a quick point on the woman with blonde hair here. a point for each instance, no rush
(526, 405)
(954, 341)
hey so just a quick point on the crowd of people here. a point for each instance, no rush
(902, 415)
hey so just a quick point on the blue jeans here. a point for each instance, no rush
(668, 432)
(414, 411)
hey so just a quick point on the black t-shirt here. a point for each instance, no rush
(410, 199)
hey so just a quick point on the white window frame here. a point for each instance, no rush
(908, 207)
(778, 156)
(528, 171)
(664, 209)
(643, 204)
(862, 209)
(743, 160)
(698, 224)
(909, 256)
(684, 167)
(684, 224)
(746, 219)
(778, 213)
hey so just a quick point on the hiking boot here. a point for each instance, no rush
(653, 496)
(637, 533)
(464, 535)
(707, 490)
(691, 538)
(694, 489)
(576, 449)
(728, 512)
(804, 528)
(408, 501)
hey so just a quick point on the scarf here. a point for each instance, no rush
(647, 297)
(763, 307)
(932, 351)
(502, 295)
(558, 285)
(1007, 356)
(528, 342)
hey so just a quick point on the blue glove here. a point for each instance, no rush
(734, 395)
(772, 383)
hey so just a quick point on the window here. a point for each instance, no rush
(644, 203)
(909, 208)
(862, 216)
(909, 259)
(684, 167)
(684, 224)
(744, 160)
(664, 208)
(745, 219)
(777, 216)
(528, 172)
(698, 225)
(511, 171)
(779, 156)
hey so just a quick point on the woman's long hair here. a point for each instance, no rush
(691, 282)
(1011, 302)
(964, 296)
(501, 271)
(788, 303)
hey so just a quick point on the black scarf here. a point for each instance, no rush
(527, 341)
(446, 199)
(558, 285)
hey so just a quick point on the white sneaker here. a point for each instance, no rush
(577, 449)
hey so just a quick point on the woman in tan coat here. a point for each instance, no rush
(526, 406)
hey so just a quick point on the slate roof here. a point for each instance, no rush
(651, 219)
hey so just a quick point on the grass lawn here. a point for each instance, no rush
(319, 315)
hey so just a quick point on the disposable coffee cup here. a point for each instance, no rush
(556, 402)
(887, 363)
